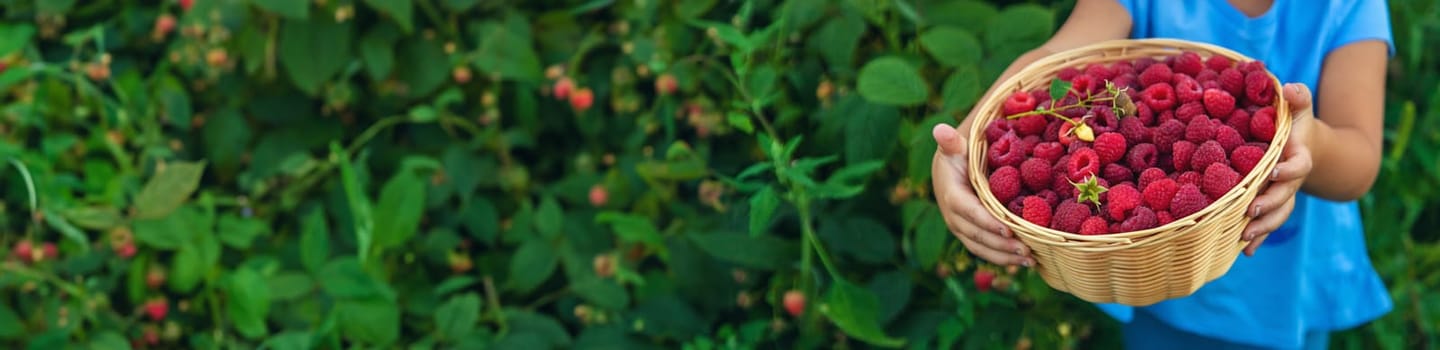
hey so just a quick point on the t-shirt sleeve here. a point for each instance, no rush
(1366, 20)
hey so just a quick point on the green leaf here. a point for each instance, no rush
(422, 79)
(10, 325)
(632, 228)
(314, 50)
(602, 292)
(314, 240)
(454, 284)
(480, 219)
(226, 138)
(286, 286)
(371, 321)
(740, 121)
(458, 316)
(94, 217)
(397, 214)
(186, 268)
(860, 237)
(673, 170)
(762, 208)
(892, 290)
(759, 252)
(291, 9)
(249, 301)
(1058, 88)
(345, 278)
(761, 84)
(398, 10)
(238, 232)
(109, 340)
(505, 51)
(855, 310)
(952, 46)
(961, 90)
(363, 223)
(837, 40)
(972, 15)
(549, 217)
(168, 189)
(726, 32)
(891, 80)
(549, 330)
(1023, 25)
(870, 130)
(289, 340)
(172, 231)
(377, 47)
(848, 181)
(931, 235)
(14, 36)
(533, 263)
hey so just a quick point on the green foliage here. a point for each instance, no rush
(403, 174)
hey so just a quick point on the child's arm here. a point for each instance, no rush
(1346, 144)
(1092, 21)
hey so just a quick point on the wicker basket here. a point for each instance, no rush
(1134, 268)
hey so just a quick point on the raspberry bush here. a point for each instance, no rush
(586, 174)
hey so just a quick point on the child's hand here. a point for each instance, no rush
(968, 220)
(1272, 207)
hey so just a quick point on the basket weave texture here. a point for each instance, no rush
(1141, 267)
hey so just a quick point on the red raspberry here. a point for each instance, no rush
(1180, 155)
(984, 280)
(1142, 156)
(1119, 200)
(1159, 193)
(1122, 67)
(1094, 225)
(1084, 85)
(1016, 206)
(1210, 84)
(1068, 73)
(1228, 138)
(1104, 120)
(1049, 196)
(1030, 126)
(1262, 124)
(1218, 63)
(1073, 112)
(1208, 153)
(1141, 219)
(1099, 72)
(1110, 147)
(1218, 180)
(1187, 89)
(1164, 116)
(1005, 183)
(1163, 217)
(1240, 120)
(1143, 63)
(1160, 97)
(1188, 200)
(1150, 175)
(1232, 81)
(1145, 114)
(1165, 135)
(1207, 76)
(996, 129)
(1189, 63)
(1019, 102)
(1126, 80)
(1252, 66)
(1028, 143)
(1036, 173)
(1259, 88)
(1050, 151)
(1083, 163)
(1219, 103)
(794, 302)
(1189, 111)
(1246, 157)
(1155, 74)
(156, 309)
(1065, 135)
(1116, 173)
(1052, 130)
(24, 250)
(1008, 151)
(1189, 177)
(1069, 215)
(1134, 131)
(1036, 211)
(1200, 130)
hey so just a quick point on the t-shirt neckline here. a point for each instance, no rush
(1234, 15)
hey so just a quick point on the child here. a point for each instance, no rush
(1301, 280)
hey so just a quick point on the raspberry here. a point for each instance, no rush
(1232, 81)
(1163, 217)
(1116, 173)
(1167, 134)
(1126, 80)
(1210, 84)
(1150, 175)
(1120, 200)
(1159, 193)
(1189, 111)
(1083, 163)
(1207, 76)
(1104, 120)
(1142, 156)
(1068, 73)
(1141, 219)
(582, 99)
(1159, 97)
(1110, 147)
(1218, 179)
(1052, 130)
(1036, 173)
(1163, 116)
(1180, 155)
(1134, 131)
(1036, 211)
(1240, 120)
(1005, 183)
(1050, 151)
(1029, 126)
(996, 129)
(156, 309)
(1099, 72)
(1189, 177)
(1228, 138)
(1262, 124)
(1072, 112)
(1016, 206)
(1155, 74)
(1094, 225)
(795, 302)
(1084, 85)
(1019, 102)
(1219, 103)
(1252, 66)
(1200, 130)
(1028, 143)
(1066, 134)
(1188, 200)
(1049, 196)
(1143, 63)
(1122, 67)
(1145, 114)
(1208, 153)
(1259, 88)
(1218, 63)
(1007, 151)
(1069, 215)
(1187, 89)
(1246, 157)
(1189, 63)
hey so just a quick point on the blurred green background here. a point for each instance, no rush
(630, 174)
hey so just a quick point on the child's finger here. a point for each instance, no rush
(1254, 245)
(992, 255)
(950, 141)
(1298, 95)
(1296, 165)
(1269, 221)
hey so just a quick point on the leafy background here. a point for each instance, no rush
(400, 174)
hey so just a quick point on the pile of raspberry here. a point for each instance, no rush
(1130, 145)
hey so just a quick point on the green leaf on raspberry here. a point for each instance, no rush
(1090, 190)
(1058, 88)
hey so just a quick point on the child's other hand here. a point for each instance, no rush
(967, 219)
(1273, 205)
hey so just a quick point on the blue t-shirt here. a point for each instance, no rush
(1314, 273)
